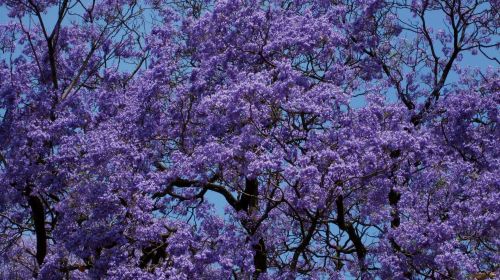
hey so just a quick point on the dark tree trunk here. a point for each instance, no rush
(38, 216)
(248, 202)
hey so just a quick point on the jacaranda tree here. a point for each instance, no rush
(351, 139)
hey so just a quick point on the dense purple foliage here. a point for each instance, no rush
(121, 122)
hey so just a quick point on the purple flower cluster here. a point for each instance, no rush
(126, 125)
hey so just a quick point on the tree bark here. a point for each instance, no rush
(38, 215)
(249, 202)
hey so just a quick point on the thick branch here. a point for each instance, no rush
(38, 215)
(305, 242)
(260, 258)
(249, 198)
(351, 231)
(182, 183)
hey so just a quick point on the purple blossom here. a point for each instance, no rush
(120, 143)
